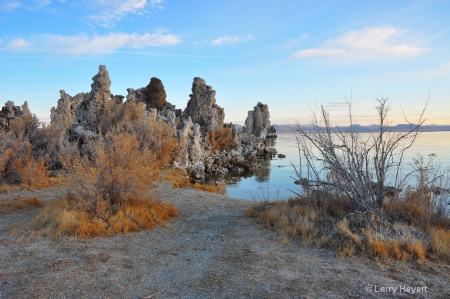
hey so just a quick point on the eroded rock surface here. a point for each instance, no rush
(9, 112)
(202, 107)
(258, 121)
(83, 114)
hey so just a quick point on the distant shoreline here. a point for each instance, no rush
(366, 129)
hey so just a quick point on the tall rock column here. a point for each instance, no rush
(258, 120)
(100, 94)
(202, 107)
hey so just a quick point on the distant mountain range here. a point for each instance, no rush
(369, 128)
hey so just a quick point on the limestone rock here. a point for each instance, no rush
(93, 107)
(84, 112)
(202, 107)
(258, 121)
(10, 112)
(65, 111)
(137, 95)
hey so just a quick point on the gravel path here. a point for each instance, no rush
(210, 251)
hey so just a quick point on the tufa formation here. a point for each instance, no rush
(195, 128)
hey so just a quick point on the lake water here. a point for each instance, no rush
(275, 178)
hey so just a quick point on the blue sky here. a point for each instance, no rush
(292, 55)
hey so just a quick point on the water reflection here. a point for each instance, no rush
(275, 178)
(263, 173)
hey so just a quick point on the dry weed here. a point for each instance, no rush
(440, 243)
(63, 218)
(219, 188)
(222, 139)
(8, 205)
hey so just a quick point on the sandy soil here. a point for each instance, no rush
(210, 251)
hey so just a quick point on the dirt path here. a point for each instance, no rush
(210, 251)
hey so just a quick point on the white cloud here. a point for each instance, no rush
(232, 39)
(157, 3)
(368, 43)
(96, 44)
(18, 44)
(10, 5)
(112, 11)
(225, 40)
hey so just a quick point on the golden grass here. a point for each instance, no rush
(440, 243)
(63, 218)
(222, 139)
(179, 179)
(8, 205)
(321, 226)
(220, 188)
(399, 251)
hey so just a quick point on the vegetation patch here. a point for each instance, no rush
(222, 139)
(109, 192)
(351, 233)
(66, 218)
(218, 188)
(12, 205)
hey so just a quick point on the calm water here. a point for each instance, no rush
(275, 178)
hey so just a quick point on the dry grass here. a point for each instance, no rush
(440, 243)
(323, 224)
(117, 172)
(222, 139)
(8, 205)
(415, 208)
(65, 218)
(18, 166)
(219, 188)
(181, 180)
(109, 192)
(177, 177)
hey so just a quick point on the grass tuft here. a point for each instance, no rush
(322, 225)
(9, 206)
(64, 218)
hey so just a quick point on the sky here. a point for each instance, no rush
(293, 55)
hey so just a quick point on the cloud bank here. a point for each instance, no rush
(86, 44)
(368, 43)
(227, 39)
(109, 12)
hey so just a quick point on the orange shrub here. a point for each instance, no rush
(17, 164)
(222, 139)
(119, 172)
(110, 193)
(440, 243)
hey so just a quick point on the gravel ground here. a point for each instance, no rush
(210, 251)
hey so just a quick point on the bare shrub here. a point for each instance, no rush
(350, 165)
(109, 191)
(25, 125)
(17, 164)
(118, 172)
(153, 135)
